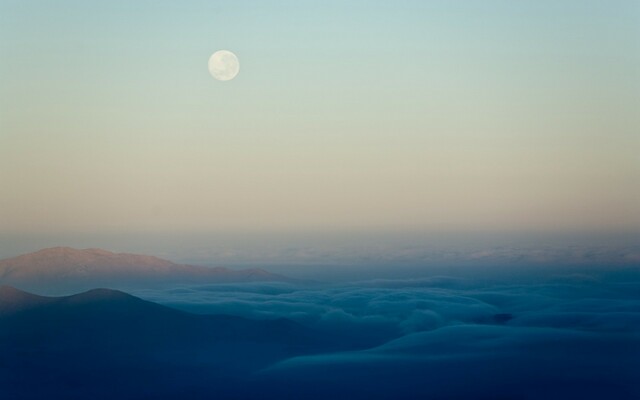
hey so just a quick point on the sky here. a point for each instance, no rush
(361, 115)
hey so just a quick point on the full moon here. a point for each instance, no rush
(224, 65)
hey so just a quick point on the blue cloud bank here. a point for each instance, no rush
(573, 335)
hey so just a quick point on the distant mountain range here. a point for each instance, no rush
(108, 344)
(65, 267)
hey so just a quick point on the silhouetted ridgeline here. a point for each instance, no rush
(106, 343)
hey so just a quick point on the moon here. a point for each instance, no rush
(224, 65)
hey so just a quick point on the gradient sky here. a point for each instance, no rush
(404, 115)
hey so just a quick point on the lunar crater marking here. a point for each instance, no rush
(224, 65)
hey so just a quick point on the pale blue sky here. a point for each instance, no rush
(495, 115)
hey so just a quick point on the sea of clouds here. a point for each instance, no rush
(572, 335)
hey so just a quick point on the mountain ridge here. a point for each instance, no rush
(94, 267)
(77, 346)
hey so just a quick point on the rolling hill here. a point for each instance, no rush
(63, 268)
(108, 344)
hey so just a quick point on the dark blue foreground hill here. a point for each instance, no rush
(106, 343)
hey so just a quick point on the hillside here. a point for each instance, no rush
(88, 268)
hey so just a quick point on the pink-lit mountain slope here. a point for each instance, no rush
(67, 266)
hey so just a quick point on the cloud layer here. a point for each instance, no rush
(448, 337)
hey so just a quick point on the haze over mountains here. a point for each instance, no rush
(65, 268)
(506, 334)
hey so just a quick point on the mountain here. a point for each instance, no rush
(108, 344)
(116, 312)
(82, 269)
(13, 300)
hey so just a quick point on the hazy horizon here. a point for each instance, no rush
(340, 256)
